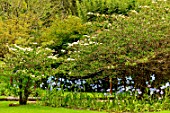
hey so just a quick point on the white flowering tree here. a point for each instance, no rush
(27, 66)
(136, 45)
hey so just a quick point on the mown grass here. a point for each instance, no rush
(35, 108)
(3, 97)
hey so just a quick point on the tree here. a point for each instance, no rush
(62, 32)
(27, 66)
(21, 21)
(127, 45)
(65, 7)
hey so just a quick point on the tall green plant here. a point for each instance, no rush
(27, 66)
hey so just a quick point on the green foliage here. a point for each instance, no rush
(124, 102)
(3, 89)
(21, 21)
(62, 32)
(91, 9)
(125, 38)
(125, 45)
(27, 66)
(3, 82)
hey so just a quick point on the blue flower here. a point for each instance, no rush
(102, 90)
(78, 82)
(41, 85)
(58, 88)
(121, 90)
(139, 92)
(94, 87)
(53, 84)
(119, 79)
(80, 87)
(59, 79)
(132, 82)
(51, 88)
(118, 82)
(129, 78)
(152, 90)
(163, 87)
(161, 92)
(149, 85)
(105, 94)
(167, 84)
(128, 88)
(83, 81)
(153, 77)
(120, 87)
(58, 84)
(91, 84)
(127, 82)
(147, 82)
(71, 82)
(100, 81)
(68, 81)
(108, 90)
(157, 90)
(133, 89)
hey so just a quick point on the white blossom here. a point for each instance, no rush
(23, 49)
(75, 43)
(86, 36)
(48, 49)
(34, 43)
(33, 76)
(63, 50)
(28, 49)
(13, 49)
(86, 44)
(90, 13)
(144, 6)
(134, 11)
(69, 44)
(70, 59)
(52, 57)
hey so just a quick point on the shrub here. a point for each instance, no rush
(64, 31)
(88, 8)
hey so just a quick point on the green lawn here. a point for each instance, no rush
(33, 108)
(3, 96)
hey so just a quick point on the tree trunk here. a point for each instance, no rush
(20, 91)
(23, 93)
(73, 7)
(23, 100)
(11, 80)
(111, 86)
